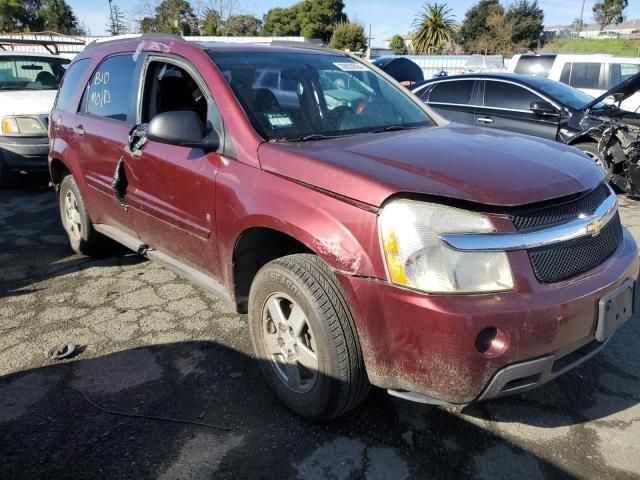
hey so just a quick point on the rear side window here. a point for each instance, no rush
(458, 92)
(70, 85)
(619, 72)
(537, 66)
(508, 96)
(108, 93)
(582, 75)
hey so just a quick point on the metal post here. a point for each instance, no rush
(581, 18)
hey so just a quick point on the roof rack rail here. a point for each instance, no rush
(134, 36)
(292, 44)
(51, 41)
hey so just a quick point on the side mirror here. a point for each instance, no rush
(182, 128)
(543, 108)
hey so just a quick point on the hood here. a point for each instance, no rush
(622, 91)
(26, 102)
(453, 161)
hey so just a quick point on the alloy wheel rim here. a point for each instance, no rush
(72, 215)
(596, 159)
(289, 343)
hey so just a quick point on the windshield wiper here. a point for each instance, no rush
(315, 136)
(393, 128)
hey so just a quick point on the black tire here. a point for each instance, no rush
(86, 241)
(5, 175)
(341, 382)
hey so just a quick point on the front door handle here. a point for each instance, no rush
(78, 130)
(487, 120)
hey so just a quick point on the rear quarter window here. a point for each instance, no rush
(108, 93)
(70, 85)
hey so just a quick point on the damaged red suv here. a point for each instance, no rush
(369, 241)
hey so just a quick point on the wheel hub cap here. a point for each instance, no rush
(72, 215)
(290, 343)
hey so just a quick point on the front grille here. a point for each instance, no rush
(564, 260)
(560, 211)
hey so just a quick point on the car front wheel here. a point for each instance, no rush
(591, 149)
(305, 339)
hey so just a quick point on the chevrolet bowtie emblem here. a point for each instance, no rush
(595, 227)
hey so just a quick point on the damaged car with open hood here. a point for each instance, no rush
(548, 109)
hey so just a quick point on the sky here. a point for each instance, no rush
(385, 17)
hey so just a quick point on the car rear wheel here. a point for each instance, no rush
(76, 222)
(305, 339)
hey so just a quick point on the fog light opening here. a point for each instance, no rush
(492, 342)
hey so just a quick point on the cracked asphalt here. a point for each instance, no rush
(155, 345)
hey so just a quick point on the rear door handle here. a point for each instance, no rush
(486, 120)
(78, 130)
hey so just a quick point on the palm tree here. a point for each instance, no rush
(433, 28)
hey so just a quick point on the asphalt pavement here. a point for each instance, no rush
(152, 345)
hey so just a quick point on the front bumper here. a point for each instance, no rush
(422, 347)
(28, 154)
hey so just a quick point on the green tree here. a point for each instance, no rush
(242, 26)
(475, 24)
(117, 21)
(172, 16)
(211, 22)
(433, 28)
(398, 45)
(348, 36)
(309, 18)
(527, 19)
(281, 22)
(318, 18)
(57, 16)
(606, 12)
(13, 16)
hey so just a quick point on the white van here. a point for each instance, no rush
(28, 87)
(593, 74)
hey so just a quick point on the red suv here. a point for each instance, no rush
(369, 241)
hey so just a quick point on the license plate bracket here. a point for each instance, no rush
(615, 309)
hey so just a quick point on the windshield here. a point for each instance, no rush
(310, 96)
(31, 73)
(565, 94)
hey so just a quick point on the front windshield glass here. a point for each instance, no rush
(565, 94)
(311, 96)
(31, 73)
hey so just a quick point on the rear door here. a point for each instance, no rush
(101, 129)
(455, 100)
(507, 106)
(171, 188)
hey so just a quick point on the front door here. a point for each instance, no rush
(507, 106)
(171, 189)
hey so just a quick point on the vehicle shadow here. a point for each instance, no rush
(50, 430)
(30, 230)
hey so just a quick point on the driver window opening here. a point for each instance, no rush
(170, 88)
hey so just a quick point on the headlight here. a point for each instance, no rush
(417, 258)
(22, 126)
